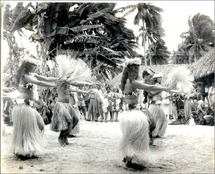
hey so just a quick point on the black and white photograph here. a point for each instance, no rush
(107, 86)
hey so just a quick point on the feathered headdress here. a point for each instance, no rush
(32, 60)
(11, 92)
(157, 75)
(136, 61)
(181, 79)
(70, 69)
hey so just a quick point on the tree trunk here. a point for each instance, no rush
(150, 56)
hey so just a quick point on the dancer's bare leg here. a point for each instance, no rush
(61, 138)
(71, 127)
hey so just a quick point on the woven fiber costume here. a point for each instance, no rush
(65, 117)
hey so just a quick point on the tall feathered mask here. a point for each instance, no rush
(181, 79)
(71, 69)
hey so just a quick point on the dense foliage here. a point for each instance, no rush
(90, 31)
(197, 41)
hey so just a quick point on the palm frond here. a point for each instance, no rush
(82, 8)
(16, 11)
(111, 51)
(22, 20)
(65, 30)
(129, 12)
(138, 17)
(84, 38)
(7, 17)
(154, 8)
(123, 9)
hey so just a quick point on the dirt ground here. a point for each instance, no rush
(184, 149)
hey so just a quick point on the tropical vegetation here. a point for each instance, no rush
(197, 41)
(93, 32)
(90, 31)
(149, 19)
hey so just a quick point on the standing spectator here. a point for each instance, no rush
(188, 106)
(109, 96)
(96, 104)
(116, 103)
(166, 103)
(173, 108)
(51, 107)
(201, 110)
(41, 109)
(82, 105)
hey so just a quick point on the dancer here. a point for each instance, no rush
(133, 122)
(156, 109)
(144, 98)
(147, 78)
(65, 117)
(28, 125)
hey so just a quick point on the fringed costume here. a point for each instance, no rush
(28, 129)
(65, 117)
(158, 115)
(134, 144)
(62, 116)
(160, 118)
(74, 103)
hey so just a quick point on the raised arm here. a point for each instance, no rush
(33, 80)
(47, 79)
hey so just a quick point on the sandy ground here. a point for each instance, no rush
(184, 149)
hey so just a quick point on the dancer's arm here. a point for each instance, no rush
(44, 78)
(79, 91)
(150, 88)
(33, 80)
(79, 83)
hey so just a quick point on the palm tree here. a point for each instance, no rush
(197, 41)
(158, 53)
(149, 17)
(200, 37)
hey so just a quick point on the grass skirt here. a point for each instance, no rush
(160, 118)
(62, 116)
(135, 137)
(28, 127)
(76, 129)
